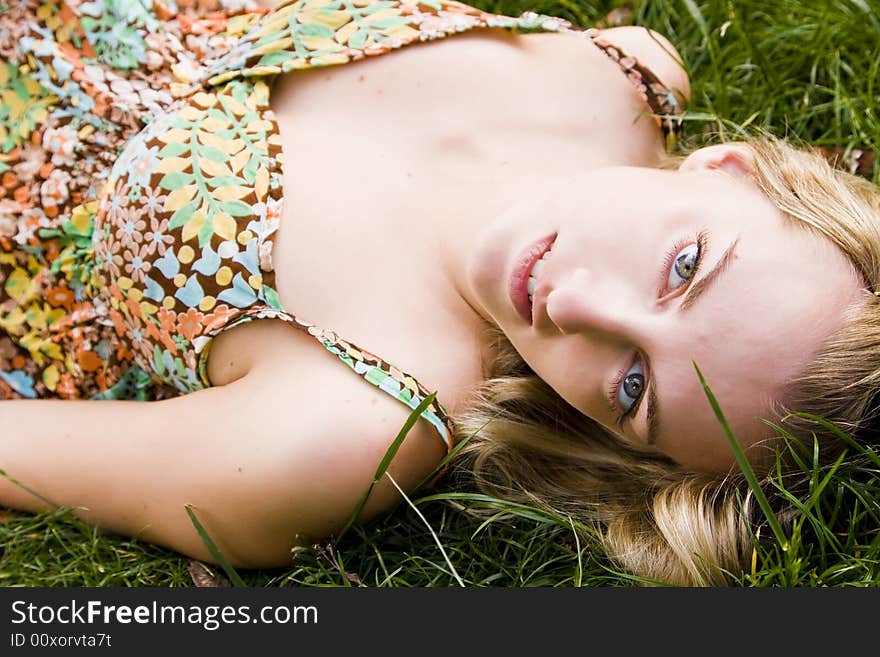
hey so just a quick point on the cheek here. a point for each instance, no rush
(741, 381)
(577, 372)
(485, 268)
(562, 374)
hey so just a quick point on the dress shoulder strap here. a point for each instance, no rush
(371, 368)
(665, 104)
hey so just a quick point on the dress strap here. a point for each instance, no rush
(666, 105)
(371, 368)
(302, 34)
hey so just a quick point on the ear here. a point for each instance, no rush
(735, 158)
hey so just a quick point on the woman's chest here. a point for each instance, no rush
(484, 99)
(376, 152)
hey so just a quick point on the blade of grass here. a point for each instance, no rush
(796, 446)
(441, 467)
(744, 465)
(506, 507)
(430, 529)
(843, 435)
(30, 491)
(698, 17)
(390, 453)
(580, 561)
(233, 576)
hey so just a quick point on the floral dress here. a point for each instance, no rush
(141, 172)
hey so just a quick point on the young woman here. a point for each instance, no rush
(199, 204)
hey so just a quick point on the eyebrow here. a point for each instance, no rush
(697, 290)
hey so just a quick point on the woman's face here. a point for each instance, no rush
(650, 273)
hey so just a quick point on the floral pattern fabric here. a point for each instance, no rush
(141, 172)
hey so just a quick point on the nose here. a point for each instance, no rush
(606, 309)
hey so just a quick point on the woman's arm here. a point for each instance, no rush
(276, 455)
(130, 467)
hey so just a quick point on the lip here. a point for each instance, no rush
(519, 278)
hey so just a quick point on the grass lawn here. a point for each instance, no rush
(802, 69)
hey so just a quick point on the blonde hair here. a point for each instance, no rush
(656, 519)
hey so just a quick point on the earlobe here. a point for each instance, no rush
(734, 158)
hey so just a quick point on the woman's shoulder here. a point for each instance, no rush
(301, 399)
(653, 51)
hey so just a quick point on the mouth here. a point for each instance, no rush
(526, 276)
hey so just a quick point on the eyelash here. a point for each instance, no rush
(701, 241)
(614, 392)
(614, 389)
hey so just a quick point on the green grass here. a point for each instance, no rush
(802, 69)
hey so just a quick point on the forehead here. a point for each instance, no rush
(784, 276)
(785, 291)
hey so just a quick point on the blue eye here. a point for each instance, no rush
(680, 267)
(684, 266)
(631, 388)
